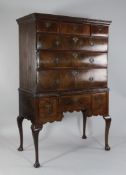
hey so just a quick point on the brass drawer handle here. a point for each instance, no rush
(75, 73)
(57, 43)
(75, 100)
(67, 102)
(57, 81)
(91, 79)
(91, 43)
(91, 60)
(48, 24)
(56, 60)
(38, 60)
(100, 29)
(75, 28)
(75, 55)
(48, 108)
(75, 39)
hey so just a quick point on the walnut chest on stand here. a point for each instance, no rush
(63, 67)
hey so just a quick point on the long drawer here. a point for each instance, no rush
(65, 42)
(60, 59)
(52, 80)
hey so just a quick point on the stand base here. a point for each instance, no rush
(37, 165)
(20, 149)
(107, 148)
(84, 137)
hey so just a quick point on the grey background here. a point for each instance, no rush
(71, 125)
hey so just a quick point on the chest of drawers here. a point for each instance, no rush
(63, 67)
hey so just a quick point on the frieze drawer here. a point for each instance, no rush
(47, 26)
(99, 30)
(74, 28)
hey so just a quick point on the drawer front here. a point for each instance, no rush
(70, 43)
(48, 59)
(81, 79)
(67, 80)
(47, 80)
(83, 43)
(91, 78)
(48, 109)
(74, 28)
(76, 102)
(47, 26)
(100, 103)
(49, 41)
(52, 80)
(99, 30)
(89, 59)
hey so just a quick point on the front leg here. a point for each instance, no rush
(107, 127)
(84, 124)
(19, 123)
(35, 134)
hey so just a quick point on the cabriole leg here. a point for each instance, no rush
(35, 134)
(107, 127)
(19, 123)
(84, 124)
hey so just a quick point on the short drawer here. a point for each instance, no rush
(89, 59)
(48, 109)
(52, 80)
(99, 30)
(47, 80)
(49, 41)
(76, 102)
(100, 104)
(74, 28)
(47, 26)
(91, 78)
(85, 43)
(54, 59)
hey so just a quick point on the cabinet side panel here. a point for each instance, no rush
(27, 55)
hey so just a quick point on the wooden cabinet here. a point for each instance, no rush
(63, 67)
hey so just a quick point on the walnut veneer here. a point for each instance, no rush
(63, 67)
